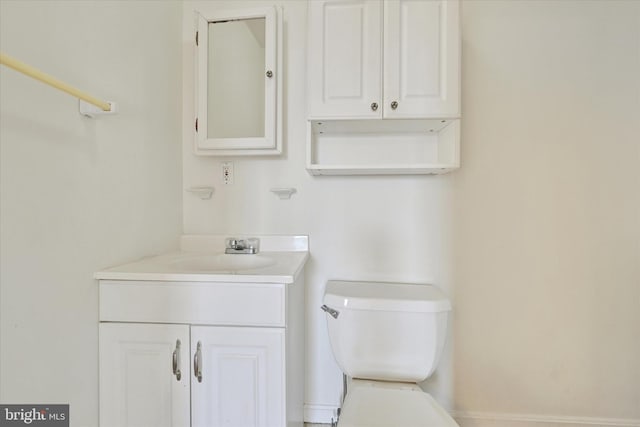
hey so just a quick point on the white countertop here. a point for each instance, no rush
(202, 259)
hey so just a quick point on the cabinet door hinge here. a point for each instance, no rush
(197, 32)
(196, 124)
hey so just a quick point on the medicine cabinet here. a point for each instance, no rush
(238, 82)
(383, 86)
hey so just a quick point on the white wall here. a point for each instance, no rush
(547, 211)
(536, 238)
(78, 195)
(378, 228)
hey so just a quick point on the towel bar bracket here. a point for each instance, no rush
(90, 110)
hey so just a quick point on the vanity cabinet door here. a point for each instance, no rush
(238, 376)
(138, 386)
(345, 59)
(421, 59)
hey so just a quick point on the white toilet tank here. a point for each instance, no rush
(386, 331)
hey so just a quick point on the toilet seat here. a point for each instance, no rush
(391, 404)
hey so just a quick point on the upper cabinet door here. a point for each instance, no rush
(392, 59)
(422, 58)
(345, 59)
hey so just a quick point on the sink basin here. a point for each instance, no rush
(222, 262)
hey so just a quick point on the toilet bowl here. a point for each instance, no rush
(391, 404)
(387, 337)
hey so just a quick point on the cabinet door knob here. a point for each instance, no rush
(374, 106)
(197, 362)
(394, 105)
(269, 73)
(176, 361)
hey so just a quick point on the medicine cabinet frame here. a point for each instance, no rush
(271, 142)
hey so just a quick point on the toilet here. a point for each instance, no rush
(387, 337)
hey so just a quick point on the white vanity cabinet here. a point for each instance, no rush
(205, 354)
(372, 65)
(384, 59)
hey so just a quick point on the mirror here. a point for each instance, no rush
(236, 78)
(238, 87)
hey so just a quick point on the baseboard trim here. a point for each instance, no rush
(319, 414)
(489, 419)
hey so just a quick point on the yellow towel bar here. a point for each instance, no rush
(52, 81)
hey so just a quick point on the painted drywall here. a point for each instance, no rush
(377, 228)
(78, 195)
(546, 207)
(536, 238)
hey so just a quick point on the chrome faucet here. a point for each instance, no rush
(250, 245)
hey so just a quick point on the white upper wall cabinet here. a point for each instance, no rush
(238, 82)
(373, 64)
(384, 59)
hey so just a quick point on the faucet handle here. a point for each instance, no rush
(253, 243)
(250, 245)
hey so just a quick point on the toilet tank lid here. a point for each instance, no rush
(385, 296)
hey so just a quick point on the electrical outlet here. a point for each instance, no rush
(227, 173)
